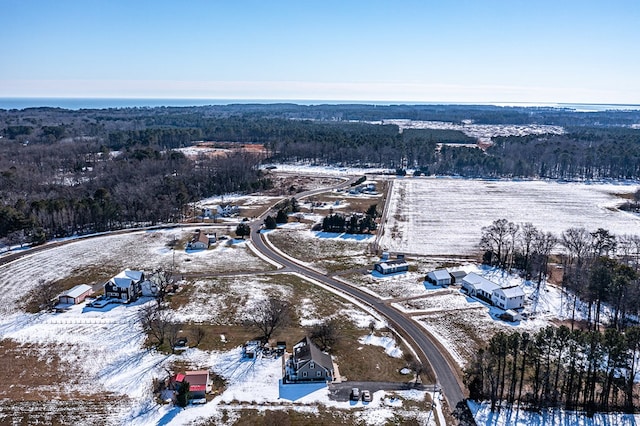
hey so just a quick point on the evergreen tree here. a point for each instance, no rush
(270, 223)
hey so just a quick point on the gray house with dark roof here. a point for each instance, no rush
(308, 364)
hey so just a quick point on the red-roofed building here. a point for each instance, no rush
(198, 382)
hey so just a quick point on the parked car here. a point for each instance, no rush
(366, 396)
(355, 394)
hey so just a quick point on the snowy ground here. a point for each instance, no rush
(432, 216)
(256, 384)
(324, 170)
(482, 132)
(103, 348)
(107, 255)
(460, 323)
(513, 417)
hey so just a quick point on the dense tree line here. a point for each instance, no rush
(558, 367)
(597, 145)
(600, 269)
(60, 189)
(64, 171)
(352, 224)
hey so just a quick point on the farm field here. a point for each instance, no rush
(439, 217)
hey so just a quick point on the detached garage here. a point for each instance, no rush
(439, 277)
(75, 295)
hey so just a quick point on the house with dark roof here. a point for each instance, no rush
(126, 286)
(308, 363)
(200, 241)
(457, 276)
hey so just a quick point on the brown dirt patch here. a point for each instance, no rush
(36, 373)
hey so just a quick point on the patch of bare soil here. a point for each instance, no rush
(36, 373)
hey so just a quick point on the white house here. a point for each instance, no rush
(475, 285)
(392, 266)
(200, 241)
(439, 277)
(508, 297)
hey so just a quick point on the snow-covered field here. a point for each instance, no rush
(102, 348)
(108, 255)
(433, 216)
(482, 132)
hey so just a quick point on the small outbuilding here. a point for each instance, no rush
(198, 381)
(511, 316)
(76, 295)
(200, 241)
(439, 277)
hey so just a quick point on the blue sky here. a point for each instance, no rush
(487, 51)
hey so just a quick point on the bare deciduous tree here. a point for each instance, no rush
(326, 333)
(172, 331)
(163, 280)
(156, 322)
(499, 238)
(269, 315)
(198, 334)
(45, 295)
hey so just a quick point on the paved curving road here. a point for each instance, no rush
(406, 327)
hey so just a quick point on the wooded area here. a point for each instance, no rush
(591, 366)
(558, 367)
(65, 171)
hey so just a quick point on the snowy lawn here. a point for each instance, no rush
(98, 259)
(256, 385)
(433, 216)
(226, 300)
(326, 251)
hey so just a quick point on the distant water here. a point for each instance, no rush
(102, 103)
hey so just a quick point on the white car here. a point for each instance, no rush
(366, 396)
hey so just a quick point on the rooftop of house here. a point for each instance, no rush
(305, 350)
(125, 278)
(458, 274)
(512, 291)
(480, 282)
(394, 262)
(197, 379)
(200, 237)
